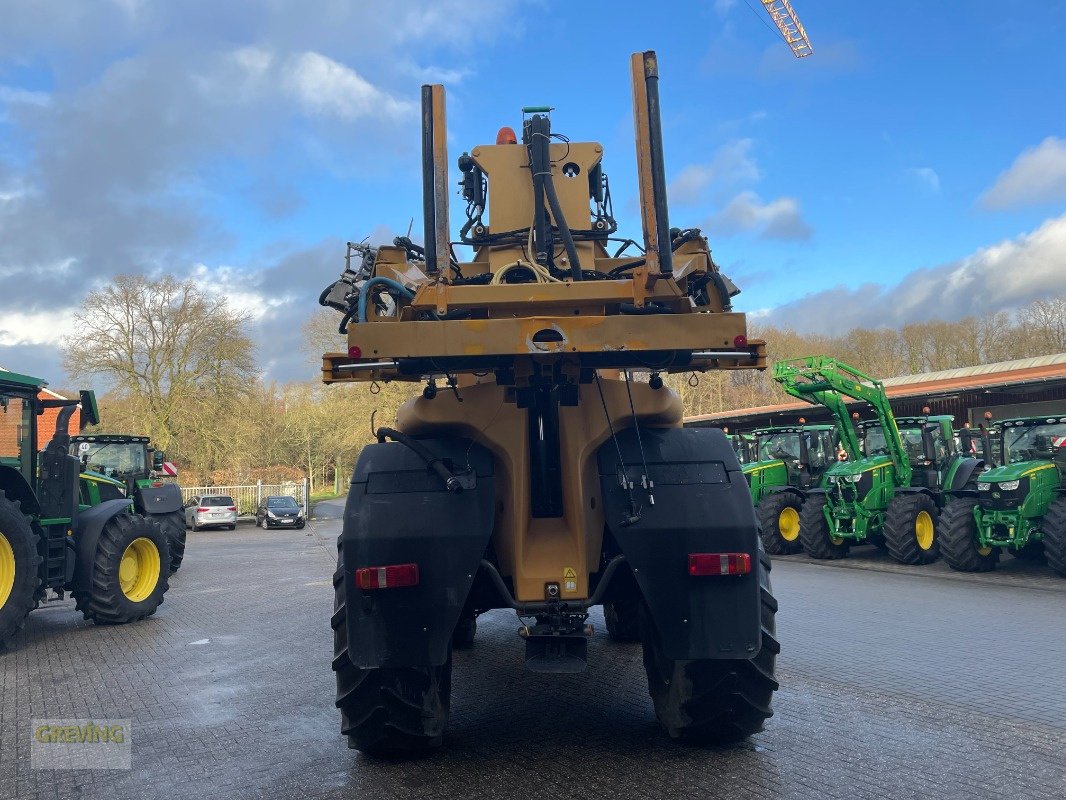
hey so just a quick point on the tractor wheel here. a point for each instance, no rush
(623, 620)
(714, 701)
(1032, 551)
(779, 519)
(815, 535)
(910, 529)
(387, 713)
(958, 538)
(129, 571)
(465, 631)
(174, 524)
(19, 578)
(1054, 527)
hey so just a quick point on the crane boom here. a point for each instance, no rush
(784, 17)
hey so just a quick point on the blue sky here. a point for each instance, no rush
(913, 166)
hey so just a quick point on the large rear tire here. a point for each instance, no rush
(779, 519)
(714, 701)
(129, 571)
(911, 529)
(623, 620)
(19, 561)
(1054, 527)
(958, 538)
(815, 535)
(174, 525)
(388, 713)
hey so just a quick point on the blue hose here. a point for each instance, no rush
(375, 282)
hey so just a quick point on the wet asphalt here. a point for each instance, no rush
(896, 682)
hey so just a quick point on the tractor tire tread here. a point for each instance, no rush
(769, 513)
(900, 538)
(958, 538)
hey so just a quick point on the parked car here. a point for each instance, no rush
(279, 511)
(209, 511)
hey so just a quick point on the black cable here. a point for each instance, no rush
(627, 485)
(648, 484)
(564, 230)
(432, 462)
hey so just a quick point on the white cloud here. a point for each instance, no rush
(11, 95)
(731, 164)
(1000, 277)
(328, 88)
(50, 327)
(927, 176)
(1038, 175)
(777, 219)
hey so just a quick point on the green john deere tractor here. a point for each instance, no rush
(786, 463)
(109, 558)
(888, 494)
(1019, 506)
(121, 465)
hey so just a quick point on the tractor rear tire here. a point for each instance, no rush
(1054, 527)
(387, 713)
(958, 538)
(129, 571)
(623, 620)
(19, 561)
(814, 531)
(174, 525)
(779, 519)
(464, 633)
(714, 701)
(910, 529)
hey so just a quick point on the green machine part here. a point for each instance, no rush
(862, 500)
(788, 456)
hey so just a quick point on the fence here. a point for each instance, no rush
(249, 497)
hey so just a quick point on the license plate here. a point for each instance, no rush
(285, 521)
(217, 516)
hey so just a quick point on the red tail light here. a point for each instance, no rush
(390, 577)
(719, 564)
(232, 508)
(202, 510)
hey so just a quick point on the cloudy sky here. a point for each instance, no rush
(913, 167)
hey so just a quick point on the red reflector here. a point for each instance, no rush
(740, 340)
(506, 135)
(355, 351)
(157, 484)
(390, 577)
(719, 564)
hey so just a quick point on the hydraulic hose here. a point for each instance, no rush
(564, 229)
(379, 281)
(432, 462)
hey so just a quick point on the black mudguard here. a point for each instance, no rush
(158, 499)
(702, 505)
(87, 528)
(968, 470)
(398, 512)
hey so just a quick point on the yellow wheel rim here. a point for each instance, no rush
(984, 551)
(7, 570)
(836, 539)
(138, 571)
(923, 530)
(788, 522)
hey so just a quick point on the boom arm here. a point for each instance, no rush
(821, 380)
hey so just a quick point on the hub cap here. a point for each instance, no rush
(7, 569)
(138, 571)
(788, 522)
(923, 530)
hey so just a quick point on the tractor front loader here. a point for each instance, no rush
(119, 464)
(533, 471)
(885, 493)
(787, 462)
(110, 559)
(1018, 507)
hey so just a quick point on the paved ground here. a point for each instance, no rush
(908, 682)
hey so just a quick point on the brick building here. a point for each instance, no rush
(11, 421)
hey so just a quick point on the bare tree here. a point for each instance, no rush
(175, 352)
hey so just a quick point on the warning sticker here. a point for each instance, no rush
(568, 572)
(570, 586)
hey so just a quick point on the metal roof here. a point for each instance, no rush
(984, 369)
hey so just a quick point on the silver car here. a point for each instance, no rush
(206, 511)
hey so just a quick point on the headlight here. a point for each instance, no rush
(271, 514)
(1009, 486)
(854, 478)
(983, 487)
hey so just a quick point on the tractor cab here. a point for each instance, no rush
(794, 456)
(928, 441)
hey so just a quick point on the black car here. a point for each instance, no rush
(279, 511)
